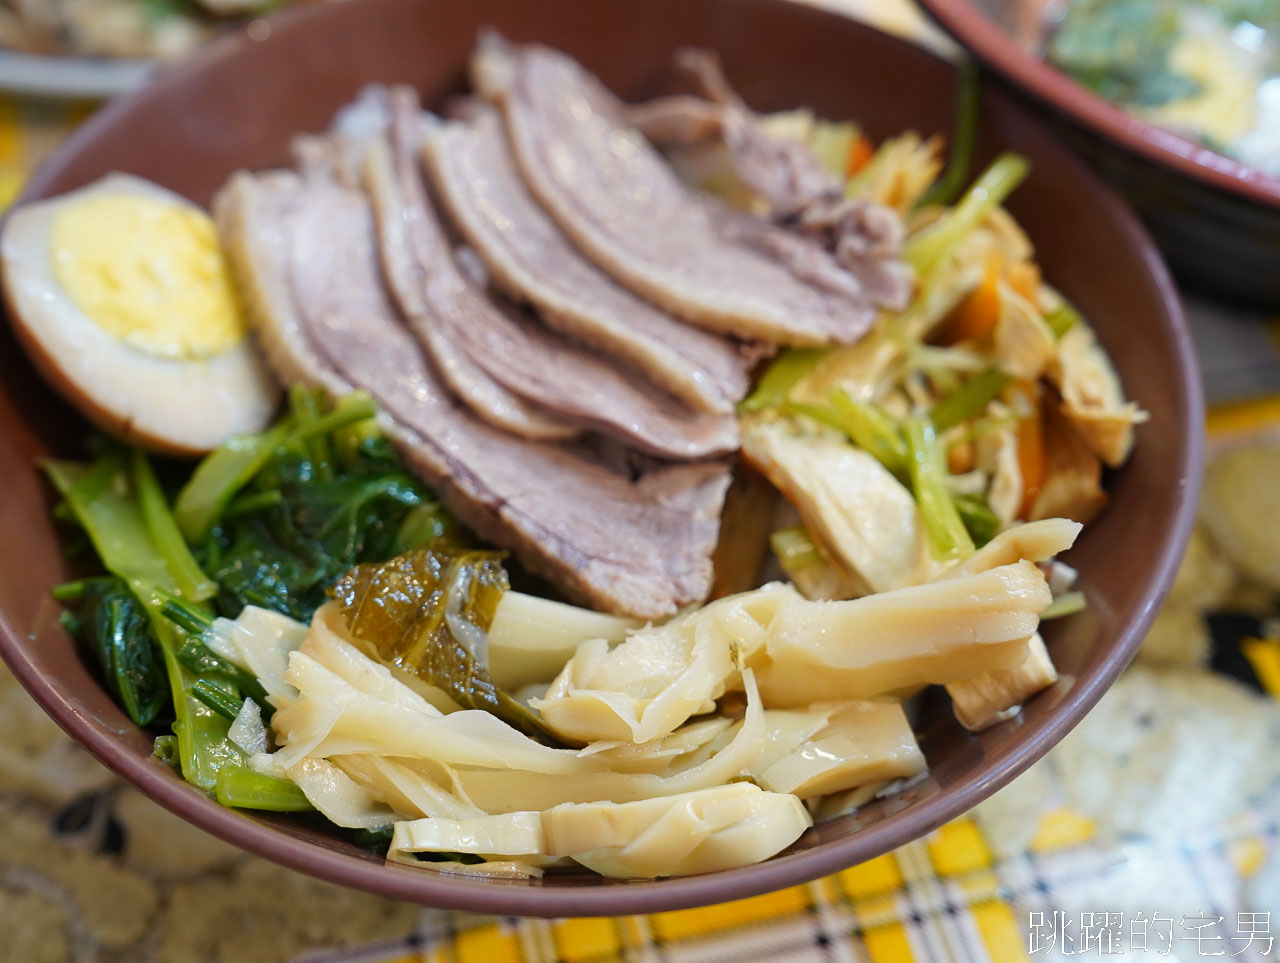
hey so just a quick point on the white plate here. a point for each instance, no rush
(70, 77)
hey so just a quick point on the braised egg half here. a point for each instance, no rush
(120, 295)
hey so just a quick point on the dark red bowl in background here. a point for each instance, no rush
(1217, 221)
(238, 103)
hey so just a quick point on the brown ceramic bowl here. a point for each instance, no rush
(240, 102)
(1215, 219)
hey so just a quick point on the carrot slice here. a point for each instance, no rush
(860, 152)
(975, 317)
(1031, 456)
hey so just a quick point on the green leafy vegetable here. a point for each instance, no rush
(280, 517)
(1122, 49)
(219, 476)
(428, 612)
(108, 508)
(113, 625)
(948, 537)
(377, 840)
(274, 519)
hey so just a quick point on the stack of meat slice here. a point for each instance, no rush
(566, 380)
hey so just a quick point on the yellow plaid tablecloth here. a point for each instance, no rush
(89, 870)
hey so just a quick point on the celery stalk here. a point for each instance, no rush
(948, 537)
(969, 400)
(947, 187)
(927, 250)
(871, 429)
(823, 416)
(794, 549)
(978, 518)
(781, 376)
(1063, 318)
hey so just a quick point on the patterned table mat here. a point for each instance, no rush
(1154, 828)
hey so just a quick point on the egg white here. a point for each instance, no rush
(177, 406)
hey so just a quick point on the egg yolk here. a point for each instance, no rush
(149, 273)
(1226, 107)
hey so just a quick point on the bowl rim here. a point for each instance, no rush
(514, 897)
(986, 40)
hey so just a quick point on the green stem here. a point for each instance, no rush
(254, 502)
(305, 404)
(948, 537)
(192, 583)
(872, 429)
(243, 788)
(928, 249)
(968, 93)
(350, 410)
(824, 416)
(794, 548)
(185, 617)
(217, 698)
(978, 518)
(969, 400)
(1063, 318)
(70, 591)
(205, 497)
(781, 376)
(110, 513)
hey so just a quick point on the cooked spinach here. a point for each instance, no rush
(107, 505)
(278, 518)
(112, 625)
(272, 520)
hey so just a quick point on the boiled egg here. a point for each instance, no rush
(120, 295)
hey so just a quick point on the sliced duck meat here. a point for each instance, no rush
(516, 351)
(854, 277)
(784, 178)
(783, 173)
(623, 206)
(304, 255)
(338, 156)
(527, 255)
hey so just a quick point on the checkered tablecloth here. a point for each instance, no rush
(1154, 829)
